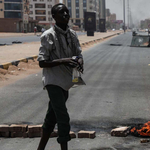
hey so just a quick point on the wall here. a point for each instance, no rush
(8, 24)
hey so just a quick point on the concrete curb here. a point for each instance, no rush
(16, 62)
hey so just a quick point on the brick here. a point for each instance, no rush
(25, 134)
(86, 134)
(145, 140)
(34, 134)
(54, 134)
(72, 134)
(4, 128)
(19, 134)
(4, 134)
(120, 132)
(18, 128)
(35, 128)
(16, 134)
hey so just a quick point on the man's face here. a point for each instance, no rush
(62, 15)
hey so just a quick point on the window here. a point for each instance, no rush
(69, 3)
(1, 9)
(13, 6)
(0, 1)
(34, 0)
(31, 12)
(77, 3)
(84, 3)
(77, 13)
(70, 12)
(39, 5)
(49, 12)
(30, 6)
(49, 6)
(69, 8)
(9, 14)
(12, 0)
(41, 18)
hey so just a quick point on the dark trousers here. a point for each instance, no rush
(57, 113)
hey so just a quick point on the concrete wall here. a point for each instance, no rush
(8, 25)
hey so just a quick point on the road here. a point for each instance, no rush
(24, 39)
(116, 94)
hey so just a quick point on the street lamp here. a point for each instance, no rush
(124, 14)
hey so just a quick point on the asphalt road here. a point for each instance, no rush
(24, 39)
(116, 94)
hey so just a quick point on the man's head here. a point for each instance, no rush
(60, 13)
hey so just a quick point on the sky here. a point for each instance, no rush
(140, 9)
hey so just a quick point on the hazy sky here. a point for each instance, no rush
(140, 9)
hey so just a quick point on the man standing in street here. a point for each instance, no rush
(58, 45)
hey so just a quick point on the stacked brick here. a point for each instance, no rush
(4, 130)
(31, 131)
(86, 134)
(18, 130)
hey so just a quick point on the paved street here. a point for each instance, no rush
(116, 94)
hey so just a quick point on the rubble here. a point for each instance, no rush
(86, 134)
(145, 140)
(31, 131)
(120, 132)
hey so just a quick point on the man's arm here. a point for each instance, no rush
(64, 61)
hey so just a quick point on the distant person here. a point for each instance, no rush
(43, 30)
(58, 45)
(35, 30)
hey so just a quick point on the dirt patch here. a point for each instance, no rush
(15, 73)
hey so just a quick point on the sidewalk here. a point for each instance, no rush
(12, 34)
(13, 54)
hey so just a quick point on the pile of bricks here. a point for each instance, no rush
(31, 131)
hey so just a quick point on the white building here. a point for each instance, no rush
(41, 10)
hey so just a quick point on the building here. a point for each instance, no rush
(14, 16)
(41, 10)
(11, 8)
(145, 24)
(108, 14)
(77, 9)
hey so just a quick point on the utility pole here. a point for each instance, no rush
(22, 13)
(124, 15)
(128, 15)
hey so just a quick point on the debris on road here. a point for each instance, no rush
(145, 140)
(120, 132)
(16, 42)
(86, 134)
(116, 44)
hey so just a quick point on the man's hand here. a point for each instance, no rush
(70, 62)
